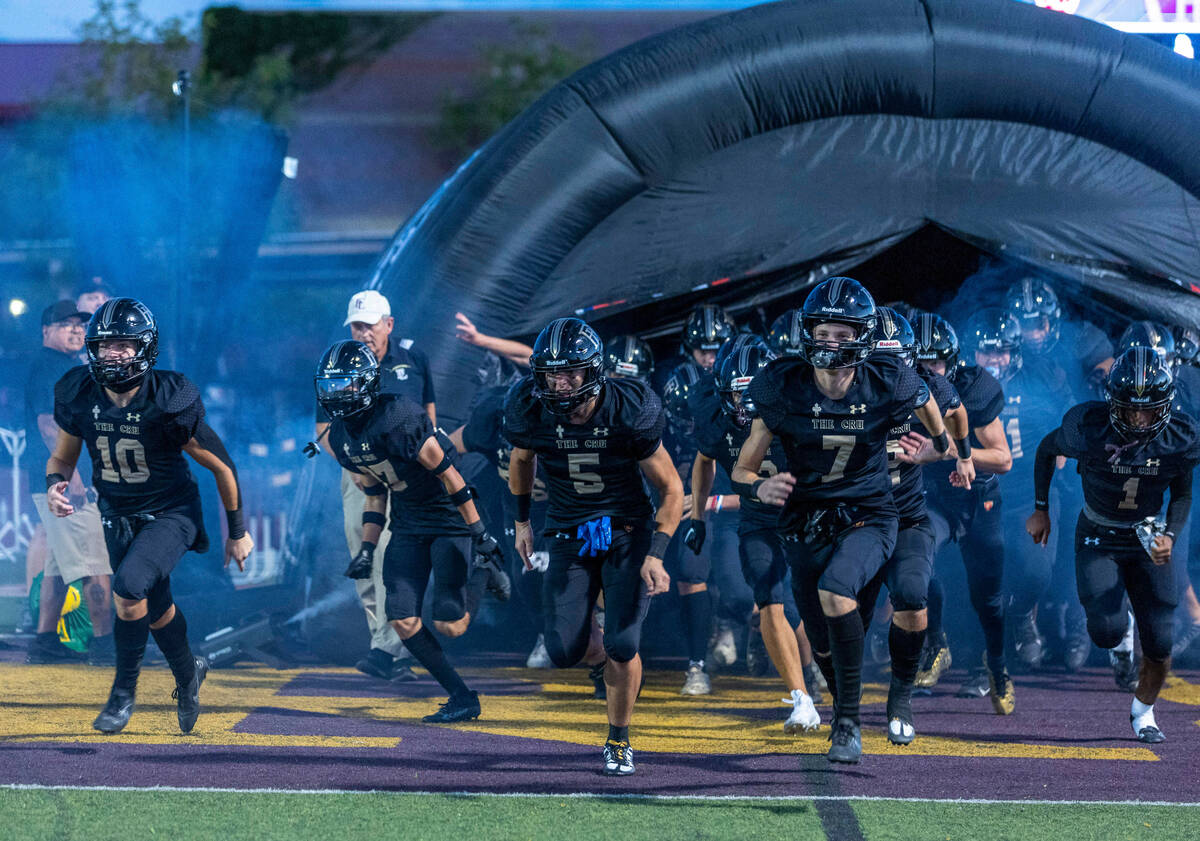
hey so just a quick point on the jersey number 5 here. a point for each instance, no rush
(124, 463)
(585, 483)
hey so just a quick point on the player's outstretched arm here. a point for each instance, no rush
(434, 459)
(1038, 523)
(659, 470)
(930, 416)
(515, 352)
(521, 466)
(745, 480)
(61, 464)
(206, 447)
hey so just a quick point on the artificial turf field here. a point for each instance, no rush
(331, 754)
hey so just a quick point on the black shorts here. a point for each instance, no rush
(407, 564)
(845, 562)
(1110, 563)
(571, 585)
(764, 565)
(144, 548)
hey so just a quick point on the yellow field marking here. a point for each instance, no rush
(1179, 691)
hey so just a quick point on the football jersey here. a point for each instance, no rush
(591, 469)
(908, 486)
(384, 442)
(1132, 486)
(483, 433)
(1034, 398)
(136, 450)
(719, 438)
(836, 449)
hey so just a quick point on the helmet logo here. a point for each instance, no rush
(835, 291)
(1139, 376)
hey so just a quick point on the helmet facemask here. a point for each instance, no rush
(561, 401)
(828, 353)
(343, 395)
(124, 373)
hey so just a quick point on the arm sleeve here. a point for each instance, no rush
(208, 438)
(1181, 501)
(1043, 469)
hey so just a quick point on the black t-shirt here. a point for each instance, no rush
(591, 469)
(484, 434)
(384, 443)
(836, 449)
(137, 451)
(719, 438)
(48, 367)
(908, 486)
(403, 370)
(1133, 486)
(1033, 403)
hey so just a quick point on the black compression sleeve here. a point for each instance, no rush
(1043, 471)
(1181, 502)
(207, 438)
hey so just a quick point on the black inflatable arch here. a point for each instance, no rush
(796, 139)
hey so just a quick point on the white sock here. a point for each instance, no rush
(1126, 643)
(1141, 716)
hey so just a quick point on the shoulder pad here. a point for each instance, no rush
(941, 389)
(1189, 435)
(520, 406)
(397, 410)
(1080, 420)
(175, 392)
(71, 384)
(638, 405)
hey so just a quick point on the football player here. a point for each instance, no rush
(832, 408)
(723, 414)
(435, 528)
(706, 329)
(138, 421)
(971, 517)
(628, 356)
(595, 439)
(1130, 452)
(908, 571)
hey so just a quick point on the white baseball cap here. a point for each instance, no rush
(368, 307)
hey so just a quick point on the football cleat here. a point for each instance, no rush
(596, 675)
(1151, 735)
(901, 730)
(696, 681)
(1125, 672)
(498, 583)
(815, 681)
(539, 658)
(723, 647)
(935, 660)
(1031, 648)
(1078, 645)
(377, 663)
(846, 742)
(402, 672)
(977, 685)
(116, 712)
(618, 759)
(457, 708)
(1004, 697)
(45, 650)
(188, 697)
(804, 717)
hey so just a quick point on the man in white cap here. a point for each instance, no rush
(403, 370)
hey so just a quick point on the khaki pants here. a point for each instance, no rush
(76, 543)
(370, 590)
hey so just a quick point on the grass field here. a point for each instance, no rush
(41, 814)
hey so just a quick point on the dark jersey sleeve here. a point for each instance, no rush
(766, 389)
(945, 395)
(1071, 439)
(648, 421)
(183, 408)
(408, 428)
(519, 404)
(986, 400)
(910, 392)
(67, 391)
(482, 431)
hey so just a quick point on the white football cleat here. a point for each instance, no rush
(804, 717)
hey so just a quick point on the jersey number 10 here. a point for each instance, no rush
(126, 462)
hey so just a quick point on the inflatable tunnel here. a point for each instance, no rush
(744, 157)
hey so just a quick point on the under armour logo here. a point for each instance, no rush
(1091, 541)
(858, 408)
(1152, 462)
(95, 412)
(600, 431)
(559, 430)
(133, 417)
(816, 409)
(106, 523)
(1014, 398)
(729, 438)
(364, 446)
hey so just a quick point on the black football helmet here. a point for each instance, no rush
(567, 344)
(347, 379)
(1187, 345)
(995, 330)
(735, 344)
(733, 373)
(680, 385)
(1035, 304)
(936, 340)
(838, 300)
(122, 319)
(707, 328)
(893, 334)
(1153, 335)
(786, 331)
(1139, 381)
(628, 356)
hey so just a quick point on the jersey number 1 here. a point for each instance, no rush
(126, 463)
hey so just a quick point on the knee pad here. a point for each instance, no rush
(448, 606)
(562, 655)
(1157, 638)
(1106, 631)
(911, 593)
(620, 647)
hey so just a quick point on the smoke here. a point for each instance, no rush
(328, 603)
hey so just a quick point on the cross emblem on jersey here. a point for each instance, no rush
(729, 438)
(95, 412)
(858, 408)
(133, 417)
(1091, 541)
(559, 430)
(346, 448)
(600, 431)
(816, 409)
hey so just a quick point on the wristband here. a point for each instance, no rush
(375, 490)
(461, 496)
(477, 528)
(523, 503)
(658, 544)
(963, 445)
(941, 442)
(237, 528)
(53, 479)
(1041, 505)
(1169, 534)
(715, 503)
(368, 547)
(375, 517)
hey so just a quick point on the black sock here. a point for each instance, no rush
(905, 647)
(618, 734)
(425, 647)
(996, 665)
(173, 642)
(846, 642)
(129, 638)
(934, 607)
(47, 639)
(697, 623)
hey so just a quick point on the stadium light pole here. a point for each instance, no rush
(182, 88)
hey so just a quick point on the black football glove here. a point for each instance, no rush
(694, 538)
(484, 547)
(360, 564)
